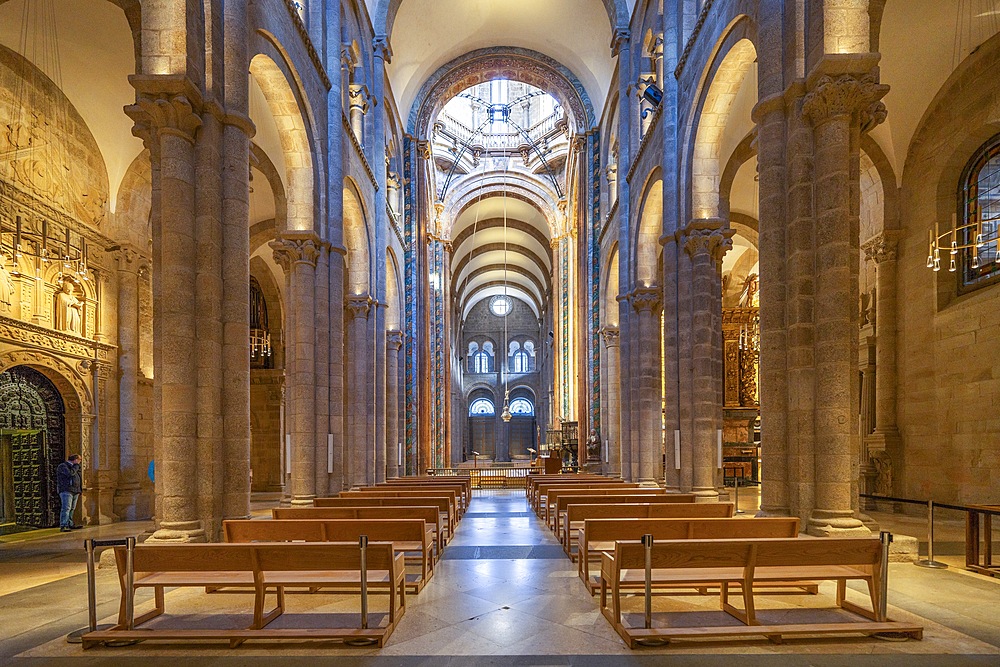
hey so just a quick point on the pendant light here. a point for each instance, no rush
(505, 415)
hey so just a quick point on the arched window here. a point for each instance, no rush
(520, 362)
(482, 362)
(980, 200)
(482, 407)
(522, 407)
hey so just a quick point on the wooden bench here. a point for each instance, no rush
(548, 494)
(575, 515)
(541, 488)
(747, 562)
(534, 481)
(406, 536)
(444, 506)
(451, 495)
(264, 567)
(591, 496)
(462, 483)
(599, 535)
(430, 515)
(461, 498)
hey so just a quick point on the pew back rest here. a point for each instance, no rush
(590, 499)
(642, 510)
(187, 558)
(428, 513)
(324, 530)
(280, 530)
(442, 504)
(596, 530)
(323, 557)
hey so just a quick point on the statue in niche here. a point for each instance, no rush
(6, 285)
(594, 446)
(69, 310)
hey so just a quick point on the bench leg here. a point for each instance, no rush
(260, 619)
(156, 611)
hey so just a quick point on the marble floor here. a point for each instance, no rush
(503, 593)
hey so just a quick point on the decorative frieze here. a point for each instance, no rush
(30, 335)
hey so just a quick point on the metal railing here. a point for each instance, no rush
(930, 562)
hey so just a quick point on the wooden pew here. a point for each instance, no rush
(562, 499)
(461, 499)
(546, 492)
(444, 506)
(534, 480)
(264, 567)
(599, 535)
(429, 514)
(748, 562)
(538, 487)
(464, 484)
(542, 489)
(451, 495)
(572, 521)
(406, 536)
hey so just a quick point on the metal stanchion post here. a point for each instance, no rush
(91, 546)
(886, 538)
(929, 561)
(363, 544)
(91, 586)
(736, 487)
(647, 544)
(129, 583)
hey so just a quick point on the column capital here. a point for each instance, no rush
(165, 104)
(358, 97)
(706, 235)
(845, 94)
(290, 250)
(620, 40)
(881, 247)
(646, 299)
(380, 45)
(394, 339)
(358, 305)
(129, 258)
(610, 335)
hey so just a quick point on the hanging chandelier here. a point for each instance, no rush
(28, 232)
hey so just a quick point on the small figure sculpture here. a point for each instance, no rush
(6, 285)
(594, 446)
(69, 310)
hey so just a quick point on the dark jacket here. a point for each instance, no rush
(68, 478)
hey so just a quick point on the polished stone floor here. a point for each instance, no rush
(503, 593)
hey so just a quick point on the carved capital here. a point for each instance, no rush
(611, 335)
(709, 235)
(394, 340)
(164, 105)
(620, 40)
(646, 299)
(382, 49)
(846, 94)
(424, 149)
(357, 306)
(291, 251)
(358, 97)
(880, 248)
(129, 258)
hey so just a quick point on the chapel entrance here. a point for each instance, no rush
(32, 445)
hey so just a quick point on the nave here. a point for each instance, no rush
(503, 587)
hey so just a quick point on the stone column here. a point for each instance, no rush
(835, 107)
(705, 242)
(613, 467)
(884, 444)
(167, 117)
(394, 343)
(648, 303)
(297, 254)
(321, 317)
(612, 176)
(130, 469)
(359, 450)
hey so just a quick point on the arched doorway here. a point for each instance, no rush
(32, 444)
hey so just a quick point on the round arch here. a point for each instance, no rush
(649, 230)
(356, 241)
(284, 106)
(724, 74)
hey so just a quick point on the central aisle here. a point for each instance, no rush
(503, 586)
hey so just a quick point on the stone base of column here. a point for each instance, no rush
(705, 495)
(835, 523)
(870, 523)
(177, 532)
(648, 483)
(98, 503)
(303, 501)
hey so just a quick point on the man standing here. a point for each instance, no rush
(69, 484)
